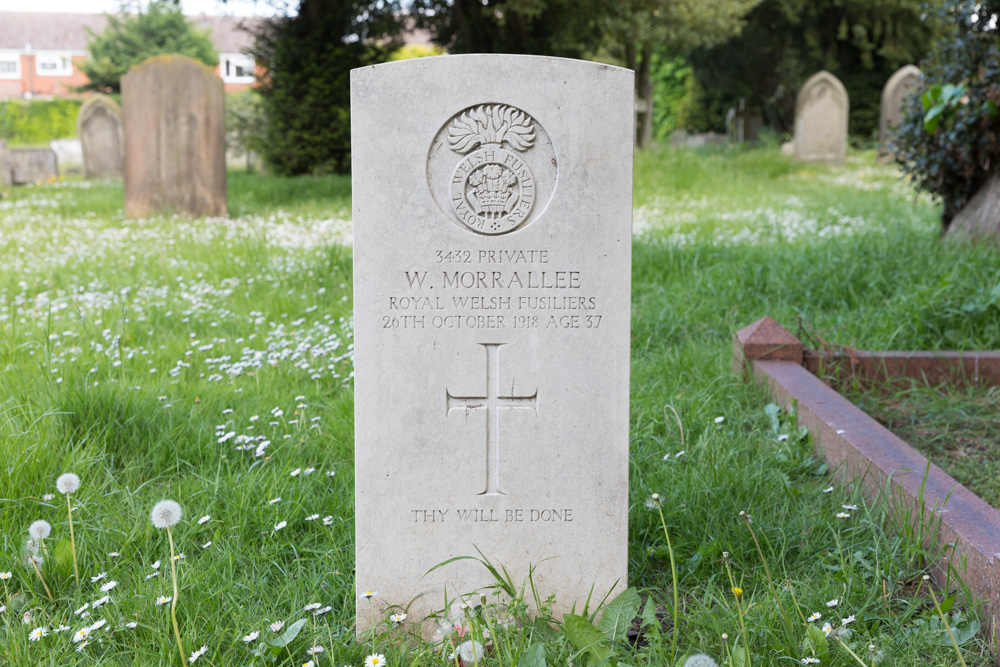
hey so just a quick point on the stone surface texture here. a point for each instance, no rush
(932, 367)
(173, 117)
(31, 165)
(979, 220)
(821, 112)
(99, 126)
(492, 225)
(765, 339)
(5, 175)
(902, 82)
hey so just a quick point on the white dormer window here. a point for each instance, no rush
(236, 67)
(53, 64)
(10, 65)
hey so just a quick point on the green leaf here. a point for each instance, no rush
(947, 604)
(962, 635)
(739, 657)
(534, 656)
(19, 602)
(816, 642)
(618, 615)
(62, 556)
(650, 621)
(291, 632)
(586, 638)
(932, 118)
(543, 630)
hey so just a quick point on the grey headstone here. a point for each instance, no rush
(99, 126)
(821, 113)
(32, 165)
(492, 249)
(173, 116)
(903, 82)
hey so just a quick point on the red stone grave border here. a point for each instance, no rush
(858, 448)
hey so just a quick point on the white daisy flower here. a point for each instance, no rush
(719, 419)
(48, 496)
(205, 519)
(810, 661)
(156, 565)
(82, 645)
(130, 625)
(310, 607)
(85, 607)
(312, 517)
(81, 635)
(276, 626)
(853, 508)
(320, 612)
(296, 472)
(197, 654)
(397, 618)
(833, 602)
(815, 616)
(274, 500)
(37, 634)
(150, 576)
(315, 650)
(331, 473)
(843, 515)
(368, 595)
(250, 637)
(97, 625)
(108, 586)
(179, 556)
(206, 544)
(308, 471)
(328, 521)
(827, 628)
(113, 554)
(278, 526)
(849, 619)
(4, 576)
(783, 437)
(163, 599)
(99, 601)
(94, 580)
(375, 660)
(828, 489)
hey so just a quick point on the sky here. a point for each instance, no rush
(211, 7)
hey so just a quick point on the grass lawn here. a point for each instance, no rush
(210, 362)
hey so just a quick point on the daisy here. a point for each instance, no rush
(37, 634)
(328, 521)
(179, 556)
(397, 618)
(843, 515)
(308, 471)
(719, 420)
(150, 576)
(97, 625)
(828, 489)
(368, 595)
(849, 619)
(375, 660)
(853, 508)
(85, 607)
(206, 544)
(81, 635)
(274, 500)
(312, 517)
(315, 650)
(130, 625)
(810, 661)
(94, 580)
(250, 637)
(815, 616)
(331, 473)
(108, 586)
(48, 496)
(163, 599)
(320, 612)
(276, 626)
(296, 472)
(197, 654)
(205, 519)
(827, 628)
(310, 607)
(783, 437)
(98, 602)
(84, 644)
(113, 554)
(4, 576)
(278, 526)
(833, 602)
(309, 663)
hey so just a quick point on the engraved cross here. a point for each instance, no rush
(492, 403)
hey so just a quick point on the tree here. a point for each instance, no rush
(637, 29)
(132, 38)
(566, 28)
(306, 95)
(786, 41)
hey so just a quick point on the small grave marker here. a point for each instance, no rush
(903, 82)
(821, 111)
(492, 216)
(99, 126)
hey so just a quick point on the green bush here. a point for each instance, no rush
(38, 121)
(244, 123)
(950, 144)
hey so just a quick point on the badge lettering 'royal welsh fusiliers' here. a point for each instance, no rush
(493, 189)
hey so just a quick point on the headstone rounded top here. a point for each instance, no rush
(818, 79)
(94, 104)
(170, 59)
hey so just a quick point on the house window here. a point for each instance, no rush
(236, 68)
(53, 64)
(10, 65)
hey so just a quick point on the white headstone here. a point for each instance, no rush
(492, 228)
(821, 112)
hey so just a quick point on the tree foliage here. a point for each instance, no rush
(567, 28)
(130, 39)
(784, 42)
(949, 140)
(306, 94)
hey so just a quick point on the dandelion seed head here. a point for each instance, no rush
(700, 660)
(40, 530)
(470, 651)
(67, 483)
(166, 513)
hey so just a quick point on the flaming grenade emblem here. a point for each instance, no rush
(492, 189)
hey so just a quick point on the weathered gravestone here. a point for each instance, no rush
(99, 126)
(821, 111)
(173, 117)
(492, 251)
(31, 165)
(903, 82)
(5, 175)
(743, 124)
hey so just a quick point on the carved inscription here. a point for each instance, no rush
(508, 515)
(492, 289)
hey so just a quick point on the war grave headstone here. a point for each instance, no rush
(173, 118)
(99, 126)
(492, 252)
(902, 82)
(821, 111)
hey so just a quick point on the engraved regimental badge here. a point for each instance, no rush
(505, 171)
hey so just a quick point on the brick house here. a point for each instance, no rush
(40, 52)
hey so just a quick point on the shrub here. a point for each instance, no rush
(38, 121)
(244, 123)
(949, 143)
